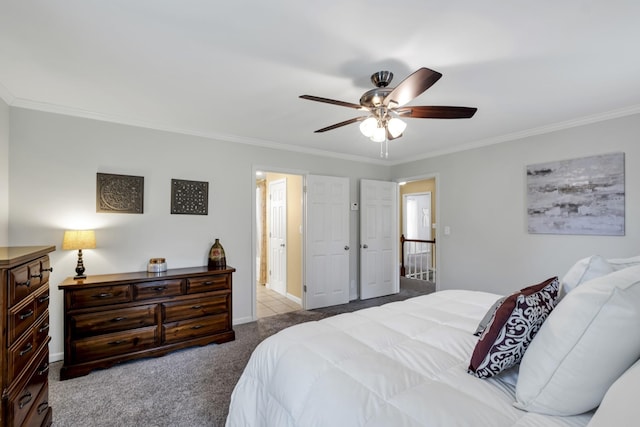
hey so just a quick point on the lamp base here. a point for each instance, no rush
(80, 267)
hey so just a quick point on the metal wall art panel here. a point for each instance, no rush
(119, 193)
(189, 197)
(577, 196)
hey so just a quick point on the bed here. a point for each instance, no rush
(407, 364)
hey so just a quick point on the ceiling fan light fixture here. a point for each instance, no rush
(368, 126)
(379, 134)
(396, 127)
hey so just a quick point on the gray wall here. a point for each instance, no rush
(54, 160)
(4, 173)
(482, 198)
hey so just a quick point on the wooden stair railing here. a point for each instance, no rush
(404, 240)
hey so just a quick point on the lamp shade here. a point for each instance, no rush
(379, 134)
(79, 239)
(396, 127)
(368, 126)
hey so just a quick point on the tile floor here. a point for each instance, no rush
(270, 303)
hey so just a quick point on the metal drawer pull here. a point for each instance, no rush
(50, 269)
(43, 298)
(208, 283)
(118, 319)
(43, 407)
(196, 327)
(159, 288)
(44, 369)
(26, 350)
(27, 283)
(27, 314)
(118, 342)
(103, 295)
(36, 276)
(24, 400)
(196, 307)
(43, 328)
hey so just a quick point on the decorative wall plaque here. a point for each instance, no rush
(189, 197)
(119, 193)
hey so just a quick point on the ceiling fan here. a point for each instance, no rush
(386, 105)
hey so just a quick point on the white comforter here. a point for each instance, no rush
(401, 364)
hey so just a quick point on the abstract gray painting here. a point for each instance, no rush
(577, 196)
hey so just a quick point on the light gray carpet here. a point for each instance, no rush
(189, 387)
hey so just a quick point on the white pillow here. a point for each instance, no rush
(620, 405)
(620, 263)
(586, 343)
(582, 271)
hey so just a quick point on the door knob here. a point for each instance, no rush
(346, 248)
(282, 245)
(365, 246)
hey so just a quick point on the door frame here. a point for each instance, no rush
(436, 231)
(254, 226)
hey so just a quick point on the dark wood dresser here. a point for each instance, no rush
(113, 318)
(24, 323)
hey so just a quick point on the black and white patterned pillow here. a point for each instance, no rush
(512, 328)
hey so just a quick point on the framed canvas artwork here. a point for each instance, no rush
(578, 196)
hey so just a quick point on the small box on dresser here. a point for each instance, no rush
(24, 302)
(113, 318)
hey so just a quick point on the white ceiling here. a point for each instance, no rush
(234, 70)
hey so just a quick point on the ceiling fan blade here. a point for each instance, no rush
(337, 125)
(437, 112)
(333, 101)
(411, 87)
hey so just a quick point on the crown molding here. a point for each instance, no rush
(6, 96)
(76, 112)
(87, 114)
(582, 121)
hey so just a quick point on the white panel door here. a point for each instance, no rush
(379, 241)
(278, 236)
(327, 242)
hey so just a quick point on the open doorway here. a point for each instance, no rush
(279, 219)
(418, 226)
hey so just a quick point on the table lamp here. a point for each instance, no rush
(79, 239)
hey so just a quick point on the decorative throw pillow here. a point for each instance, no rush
(583, 271)
(487, 317)
(511, 329)
(587, 342)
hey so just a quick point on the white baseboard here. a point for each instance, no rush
(295, 299)
(242, 320)
(56, 357)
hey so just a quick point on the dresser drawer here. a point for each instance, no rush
(108, 345)
(41, 329)
(103, 322)
(41, 298)
(182, 310)
(39, 410)
(27, 397)
(183, 330)
(23, 351)
(26, 278)
(157, 289)
(99, 295)
(20, 319)
(209, 283)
